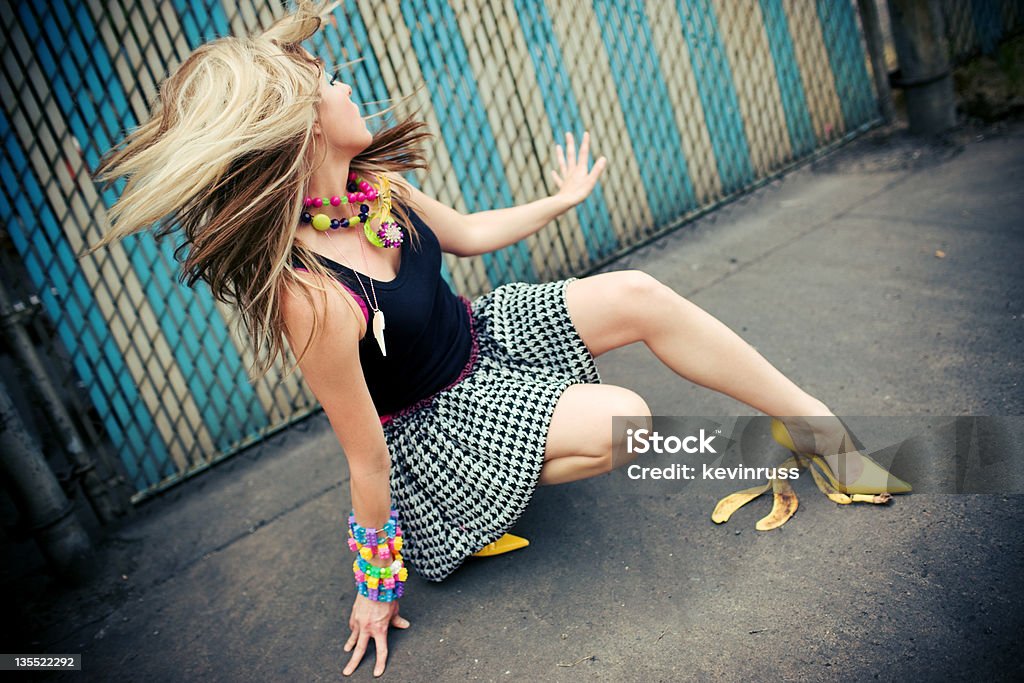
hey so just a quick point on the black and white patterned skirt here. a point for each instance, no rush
(466, 461)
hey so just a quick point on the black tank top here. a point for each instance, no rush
(427, 337)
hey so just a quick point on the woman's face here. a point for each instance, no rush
(338, 119)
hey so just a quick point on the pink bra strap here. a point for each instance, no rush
(359, 299)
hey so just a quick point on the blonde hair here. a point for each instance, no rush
(225, 156)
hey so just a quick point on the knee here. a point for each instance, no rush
(632, 412)
(642, 291)
(631, 404)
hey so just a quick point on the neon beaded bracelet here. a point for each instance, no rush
(382, 584)
(368, 542)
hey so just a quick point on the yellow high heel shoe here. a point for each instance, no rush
(506, 543)
(873, 479)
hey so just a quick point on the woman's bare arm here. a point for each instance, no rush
(331, 368)
(485, 231)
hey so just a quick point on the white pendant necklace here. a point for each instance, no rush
(378, 315)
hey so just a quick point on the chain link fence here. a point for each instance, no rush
(977, 26)
(693, 101)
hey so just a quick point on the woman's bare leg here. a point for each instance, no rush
(611, 310)
(580, 439)
(614, 309)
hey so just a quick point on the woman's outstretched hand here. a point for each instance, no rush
(572, 178)
(370, 619)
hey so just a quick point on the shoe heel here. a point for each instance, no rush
(505, 544)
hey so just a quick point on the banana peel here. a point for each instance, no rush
(823, 484)
(784, 499)
(734, 501)
(817, 465)
(784, 506)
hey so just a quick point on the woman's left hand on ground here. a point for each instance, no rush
(370, 621)
(572, 178)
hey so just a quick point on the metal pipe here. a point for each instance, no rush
(104, 503)
(40, 500)
(918, 31)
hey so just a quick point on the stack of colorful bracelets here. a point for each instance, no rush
(382, 584)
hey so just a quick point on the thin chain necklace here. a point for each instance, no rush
(378, 314)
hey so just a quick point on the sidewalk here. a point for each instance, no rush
(832, 274)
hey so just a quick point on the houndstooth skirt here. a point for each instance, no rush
(466, 461)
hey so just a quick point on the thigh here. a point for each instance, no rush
(581, 423)
(614, 309)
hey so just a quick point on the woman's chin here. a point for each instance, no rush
(357, 145)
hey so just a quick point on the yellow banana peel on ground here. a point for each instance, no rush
(784, 499)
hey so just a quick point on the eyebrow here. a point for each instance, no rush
(319, 61)
(333, 71)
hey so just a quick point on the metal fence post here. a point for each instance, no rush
(872, 24)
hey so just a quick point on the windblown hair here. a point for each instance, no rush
(226, 156)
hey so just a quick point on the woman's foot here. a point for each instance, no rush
(826, 436)
(851, 471)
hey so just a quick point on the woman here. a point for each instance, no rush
(450, 412)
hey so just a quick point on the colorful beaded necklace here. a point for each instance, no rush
(388, 234)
